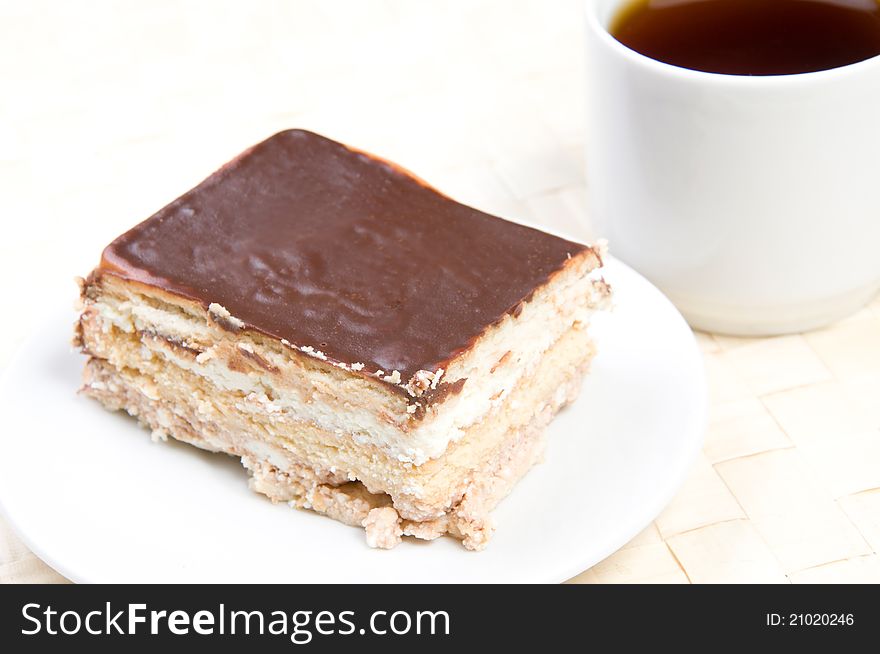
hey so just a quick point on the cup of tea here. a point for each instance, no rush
(733, 154)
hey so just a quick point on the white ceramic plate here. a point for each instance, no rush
(96, 499)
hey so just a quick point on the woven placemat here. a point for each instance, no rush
(788, 485)
(483, 98)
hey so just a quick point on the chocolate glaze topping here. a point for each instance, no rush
(304, 239)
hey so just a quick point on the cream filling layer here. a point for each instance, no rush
(180, 404)
(502, 356)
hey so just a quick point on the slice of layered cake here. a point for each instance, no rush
(371, 349)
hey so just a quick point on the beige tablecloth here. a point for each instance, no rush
(111, 109)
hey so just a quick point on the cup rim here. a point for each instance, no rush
(689, 74)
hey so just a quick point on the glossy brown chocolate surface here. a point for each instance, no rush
(307, 240)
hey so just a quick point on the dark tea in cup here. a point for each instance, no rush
(751, 37)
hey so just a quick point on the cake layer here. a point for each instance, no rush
(463, 486)
(307, 240)
(283, 438)
(411, 428)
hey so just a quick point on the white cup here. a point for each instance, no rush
(752, 202)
